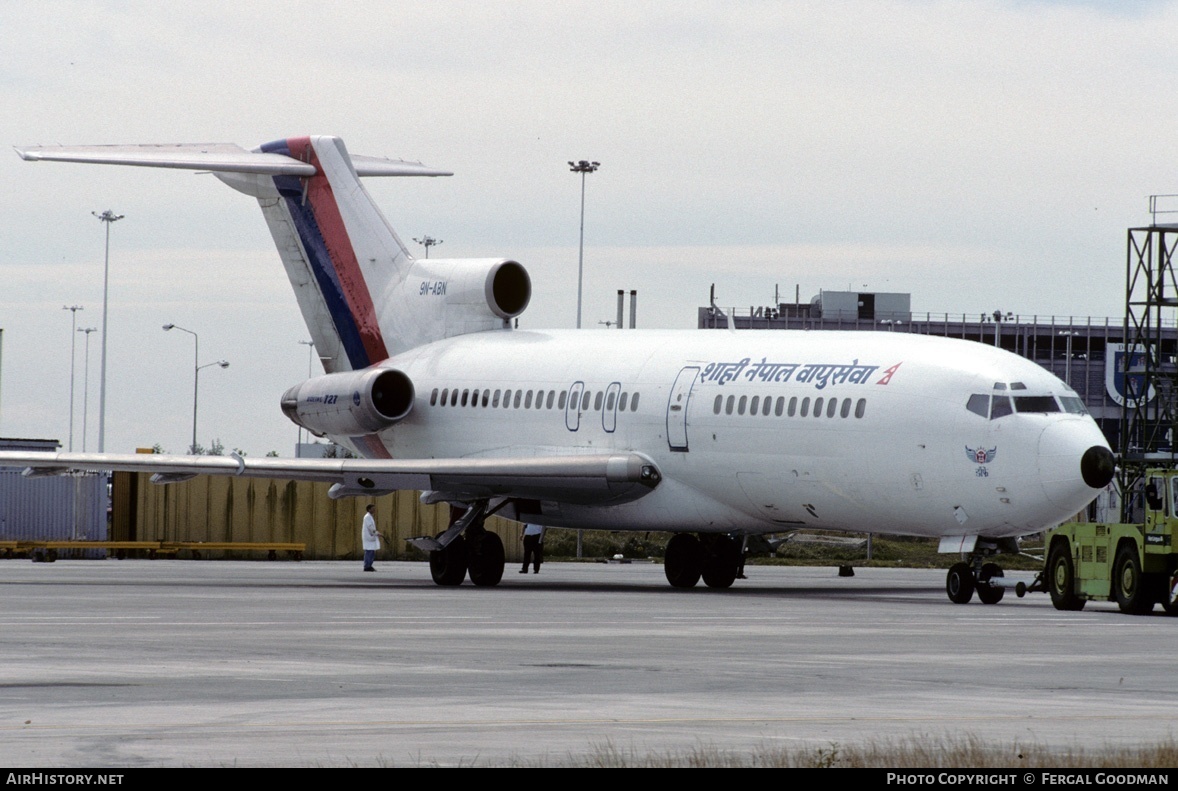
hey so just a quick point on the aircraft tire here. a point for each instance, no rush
(683, 560)
(486, 560)
(715, 577)
(719, 568)
(959, 583)
(1061, 579)
(1130, 587)
(448, 566)
(986, 594)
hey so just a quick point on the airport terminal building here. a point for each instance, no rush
(1083, 351)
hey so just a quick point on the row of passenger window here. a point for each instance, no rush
(801, 407)
(534, 399)
(998, 406)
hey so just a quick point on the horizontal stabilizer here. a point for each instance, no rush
(379, 166)
(216, 158)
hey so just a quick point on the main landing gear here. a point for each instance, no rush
(976, 575)
(466, 546)
(715, 558)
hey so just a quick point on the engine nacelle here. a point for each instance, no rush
(473, 288)
(506, 288)
(351, 403)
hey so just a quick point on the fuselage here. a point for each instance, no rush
(764, 431)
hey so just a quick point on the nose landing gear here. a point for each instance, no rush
(975, 575)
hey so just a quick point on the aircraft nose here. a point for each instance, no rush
(1074, 461)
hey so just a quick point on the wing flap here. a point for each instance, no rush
(597, 479)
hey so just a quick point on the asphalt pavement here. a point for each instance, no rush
(140, 663)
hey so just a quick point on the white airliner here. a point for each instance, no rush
(710, 435)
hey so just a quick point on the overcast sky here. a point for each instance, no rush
(980, 155)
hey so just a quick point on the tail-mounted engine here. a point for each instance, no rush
(475, 293)
(352, 403)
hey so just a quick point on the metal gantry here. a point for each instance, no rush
(1146, 370)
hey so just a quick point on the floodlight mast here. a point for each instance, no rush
(583, 167)
(86, 384)
(427, 242)
(108, 217)
(73, 309)
(310, 350)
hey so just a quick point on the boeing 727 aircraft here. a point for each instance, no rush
(711, 436)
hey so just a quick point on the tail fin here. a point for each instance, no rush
(363, 296)
(340, 253)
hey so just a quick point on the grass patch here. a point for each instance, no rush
(915, 752)
(889, 552)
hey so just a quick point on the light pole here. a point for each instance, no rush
(86, 384)
(196, 366)
(583, 167)
(1067, 375)
(427, 242)
(310, 349)
(108, 217)
(73, 309)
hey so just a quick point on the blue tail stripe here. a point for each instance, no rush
(329, 285)
(322, 266)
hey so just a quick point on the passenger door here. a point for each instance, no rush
(677, 408)
(609, 410)
(572, 407)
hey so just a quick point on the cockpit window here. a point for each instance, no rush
(1017, 386)
(1000, 385)
(1074, 405)
(979, 404)
(1036, 404)
(1000, 407)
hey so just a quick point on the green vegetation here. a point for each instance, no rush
(914, 752)
(599, 544)
(807, 548)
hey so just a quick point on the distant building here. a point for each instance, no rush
(321, 450)
(1083, 351)
(55, 507)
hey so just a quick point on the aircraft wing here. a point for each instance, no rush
(589, 480)
(215, 157)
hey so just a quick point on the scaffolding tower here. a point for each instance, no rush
(1147, 368)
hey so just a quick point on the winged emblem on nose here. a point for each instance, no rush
(981, 455)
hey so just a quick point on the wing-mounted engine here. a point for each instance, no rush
(352, 403)
(441, 298)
